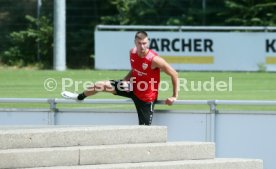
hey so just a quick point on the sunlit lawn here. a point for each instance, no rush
(21, 83)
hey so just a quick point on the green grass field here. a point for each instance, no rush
(22, 83)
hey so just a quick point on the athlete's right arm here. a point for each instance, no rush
(128, 76)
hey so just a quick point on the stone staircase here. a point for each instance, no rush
(107, 147)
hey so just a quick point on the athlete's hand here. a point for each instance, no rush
(170, 100)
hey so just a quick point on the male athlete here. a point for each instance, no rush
(140, 84)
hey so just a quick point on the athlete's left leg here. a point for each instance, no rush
(100, 86)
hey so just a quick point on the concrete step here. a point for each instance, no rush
(187, 164)
(106, 154)
(64, 136)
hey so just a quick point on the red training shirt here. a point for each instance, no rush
(145, 80)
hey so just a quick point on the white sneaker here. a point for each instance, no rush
(69, 95)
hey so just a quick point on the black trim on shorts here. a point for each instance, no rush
(120, 92)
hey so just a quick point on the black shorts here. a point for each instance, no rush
(144, 109)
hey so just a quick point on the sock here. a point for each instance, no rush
(81, 96)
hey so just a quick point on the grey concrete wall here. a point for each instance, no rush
(236, 134)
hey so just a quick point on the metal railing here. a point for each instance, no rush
(212, 103)
(185, 28)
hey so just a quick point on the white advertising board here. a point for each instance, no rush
(195, 51)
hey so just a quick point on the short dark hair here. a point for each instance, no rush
(141, 35)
